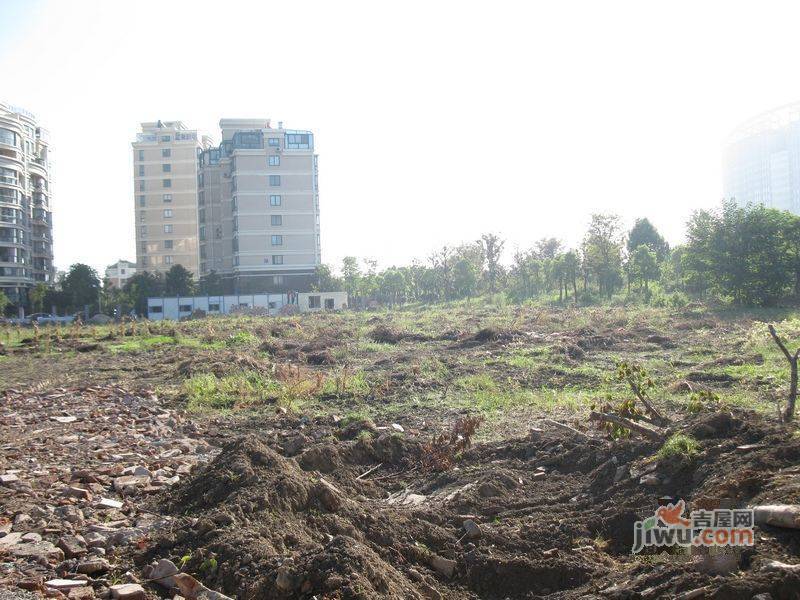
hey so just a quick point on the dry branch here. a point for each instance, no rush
(628, 424)
(788, 413)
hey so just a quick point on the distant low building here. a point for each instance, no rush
(118, 274)
(267, 304)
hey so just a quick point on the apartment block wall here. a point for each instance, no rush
(265, 235)
(165, 196)
(26, 223)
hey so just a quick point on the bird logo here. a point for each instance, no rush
(671, 514)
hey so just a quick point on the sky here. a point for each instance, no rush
(434, 122)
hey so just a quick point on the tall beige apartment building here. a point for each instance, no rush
(246, 210)
(258, 212)
(165, 196)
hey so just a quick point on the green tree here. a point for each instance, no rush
(178, 281)
(37, 296)
(644, 233)
(602, 249)
(325, 280)
(745, 254)
(351, 275)
(493, 251)
(465, 278)
(211, 284)
(644, 265)
(144, 285)
(81, 287)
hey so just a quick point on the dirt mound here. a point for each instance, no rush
(550, 514)
(220, 366)
(384, 334)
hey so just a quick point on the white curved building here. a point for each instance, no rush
(762, 160)
(26, 223)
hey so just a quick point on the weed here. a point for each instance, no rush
(679, 445)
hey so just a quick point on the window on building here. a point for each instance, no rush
(166, 197)
(168, 259)
(275, 142)
(298, 141)
(141, 185)
(277, 259)
(314, 302)
(274, 160)
(155, 309)
(166, 168)
(277, 279)
(274, 180)
(168, 228)
(201, 215)
(185, 308)
(329, 304)
(167, 183)
(143, 248)
(142, 217)
(143, 229)
(141, 170)
(276, 220)
(166, 153)
(167, 213)
(165, 138)
(274, 200)
(277, 240)
(168, 245)
(142, 202)
(236, 261)
(213, 307)
(202, 232)
(141, 154)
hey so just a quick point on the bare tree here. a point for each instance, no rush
(788, 413)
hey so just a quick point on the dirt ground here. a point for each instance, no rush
(308, 463)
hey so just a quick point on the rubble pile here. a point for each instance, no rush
(76, 467)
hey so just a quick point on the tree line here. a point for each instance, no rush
(747, 255)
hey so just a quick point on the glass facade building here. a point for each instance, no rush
(762, 160)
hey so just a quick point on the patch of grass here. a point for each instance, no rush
(246, 389)
(241, 338)
(679, 445)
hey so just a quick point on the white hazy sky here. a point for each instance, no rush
(434, 121)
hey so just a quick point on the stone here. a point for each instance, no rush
(620, 473)
(32, 536)
(162, 573)
(397, 427)
(651, 480)
(443, 566)
(8, 479)
(65, 420)
(77, 492)
(472, 529)
(81, 593)
(130, 481)
(109, 503)
(72, 546)
(94, 566)
(10, 539)
(44, 550)
(127, 591)
(65, 584)
(70, 514)
(95, 539)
